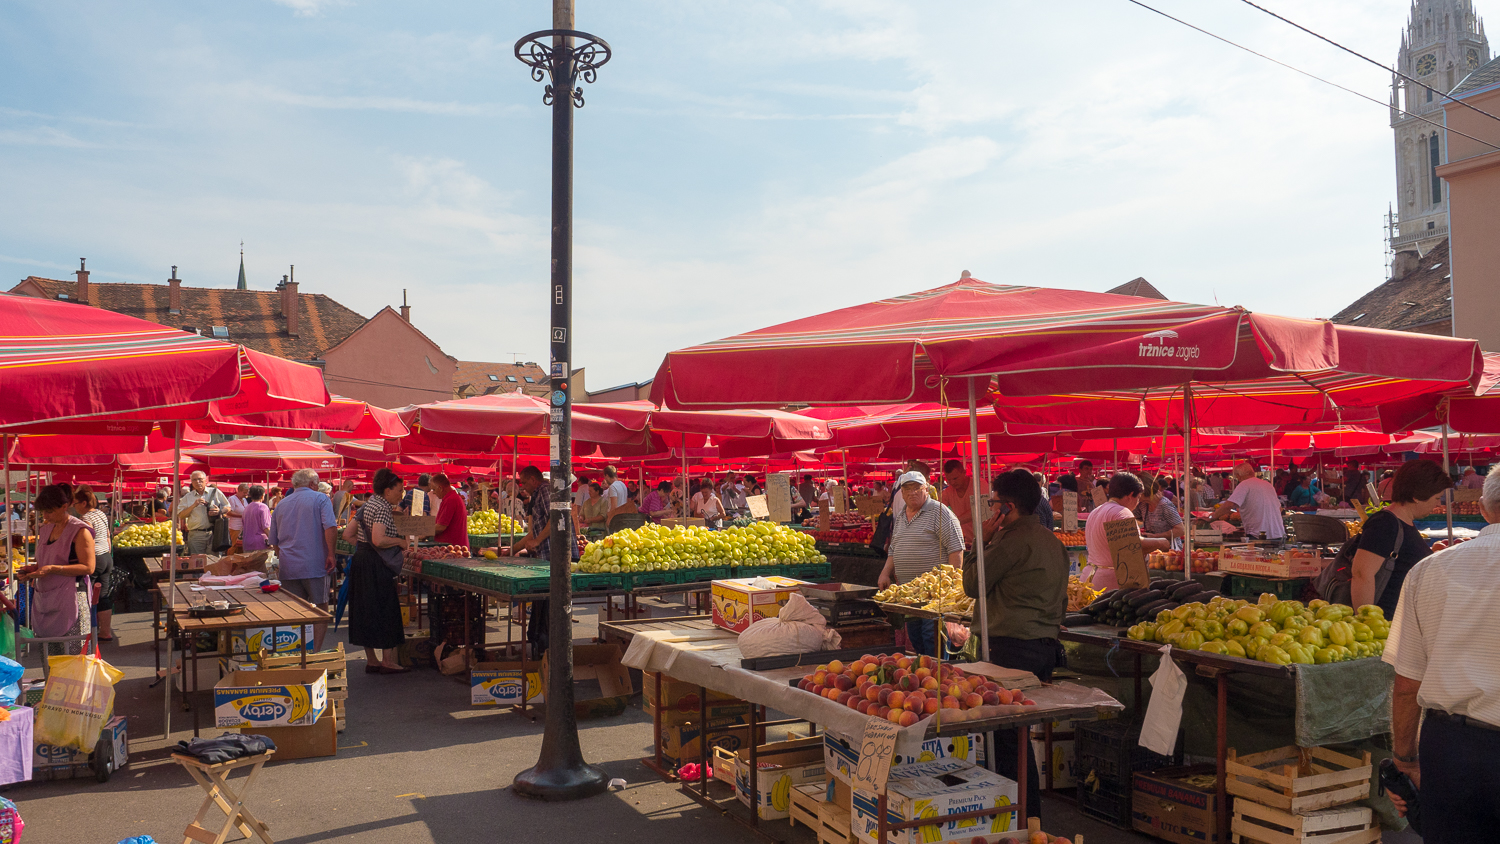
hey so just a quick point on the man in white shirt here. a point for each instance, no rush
(196, 512)
(1257, 503)
(1471, 480)
(616, 492)
(237, 512)
(733, 495)
(1445, 649)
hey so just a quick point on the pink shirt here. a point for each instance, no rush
(1101, 563)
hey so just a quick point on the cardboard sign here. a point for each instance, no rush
(1098, 493)
(1070, 510)
(825, 520)
(758, 507)
(779, 497)
(1463, 496)
(419, 501)
(1124, 539)
(840, 497)
(868, 505)
(415, 525)
(484, 496)
(1374, 493)
(877, 744)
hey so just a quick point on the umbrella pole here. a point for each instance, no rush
(10, 563)
(166, 710)
(983, 599)
(1114, 457)
(1186, 486)
(1447, 493)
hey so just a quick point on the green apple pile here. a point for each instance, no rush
(661, 548)
(1271, 630)
(486, 522)
(148, 535)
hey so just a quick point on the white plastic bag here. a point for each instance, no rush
(797, 629)
(1164, 715)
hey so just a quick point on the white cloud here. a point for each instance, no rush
(312, 8)
(272, 94)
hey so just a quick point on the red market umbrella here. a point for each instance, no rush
(477, 425)
(39, 448)
(267, 454)
(340, 417)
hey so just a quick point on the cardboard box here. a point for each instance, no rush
(1262, 561)
(255, 639)
(782, 766)
(1164, 805)
(682, 701)
(680, 745)
(1064, 763)
(45, 756)
(600, 664)
(841, 755)
(284, 697)
(499, 684)
(307, 742)
(737, 603)
(934, 789)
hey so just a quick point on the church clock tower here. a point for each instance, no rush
(1444, 41)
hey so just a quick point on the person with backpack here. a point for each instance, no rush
(1390, 543)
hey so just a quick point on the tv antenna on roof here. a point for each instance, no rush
(515, 357)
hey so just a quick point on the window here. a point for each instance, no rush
(221, 331)
(1429, 95)
(511, 378)
(529, 379)
(1434, 155)
(494, 378)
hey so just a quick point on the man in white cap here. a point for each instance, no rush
(924, 535)
(1256, 502)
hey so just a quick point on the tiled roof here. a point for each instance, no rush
(479, 378)
(1486, 75)
(253, 317)
(1421, 297)
(1138, 287)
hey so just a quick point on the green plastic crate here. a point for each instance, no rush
(704, 574)
(637, 579)
(597, 582)
(512, 580)
(808, 571)
(1245, 586)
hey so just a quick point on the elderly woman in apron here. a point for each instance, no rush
(64, 559)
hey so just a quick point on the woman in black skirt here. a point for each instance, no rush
(374, 606)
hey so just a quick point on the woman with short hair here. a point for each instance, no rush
(374, 605)
(64, 561)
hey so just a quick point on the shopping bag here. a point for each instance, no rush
(10, 680)
(77, 701)
(1164, 715)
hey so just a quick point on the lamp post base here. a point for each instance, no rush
(557, 785)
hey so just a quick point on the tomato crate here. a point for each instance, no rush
(597, 582)
(1106, 751)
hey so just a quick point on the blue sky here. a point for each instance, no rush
(738, 163)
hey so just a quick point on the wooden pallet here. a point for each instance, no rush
(1299, 780)
(805, 802)
(1257, 824)
(834, 826)
(334, 661)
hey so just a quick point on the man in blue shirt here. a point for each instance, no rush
(302, 532)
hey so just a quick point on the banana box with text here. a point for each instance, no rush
(742, 601)
(499, 683)
(782, 766)
(840, 755)
(932, 790)
(284, 697)
(50, 757)
(680, 744)
(281, 640)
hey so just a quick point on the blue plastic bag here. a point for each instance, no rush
(10, 680)
(139, 839)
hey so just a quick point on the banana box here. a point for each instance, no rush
(52, 758)
(782, 766)
(681, 744)
(1064, 762)
(932, 790)
(840, 755)
(284, 697)
(742, 601)
(499, 683)
(287, 640)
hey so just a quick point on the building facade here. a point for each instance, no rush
(1473, 181)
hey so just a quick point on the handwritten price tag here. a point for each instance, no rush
(1070, 510)
(877, 746)
(1124, 539)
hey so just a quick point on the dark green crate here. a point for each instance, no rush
(704, 574)
(596, 582)
(809, 571)
(637, 579)
(1246, 586)
(757, 571)
(510, 580)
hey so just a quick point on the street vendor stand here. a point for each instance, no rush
(1366, 716)
(262, 609)
(709, 657)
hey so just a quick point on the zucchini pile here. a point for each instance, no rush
(1124, 607)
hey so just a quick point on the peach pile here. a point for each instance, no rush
(904, 689)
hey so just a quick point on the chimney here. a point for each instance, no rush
(174, 293)
(289, 303)
(83, 283)
(405, 308)
(1404, 262)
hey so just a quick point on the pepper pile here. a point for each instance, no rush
(1271, 630)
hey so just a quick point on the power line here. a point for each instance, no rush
(1309, 75)
(1358, 54)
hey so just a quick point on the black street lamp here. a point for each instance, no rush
(560, 772)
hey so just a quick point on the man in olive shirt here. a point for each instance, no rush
(1026, 590)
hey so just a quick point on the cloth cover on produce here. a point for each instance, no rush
(713, 662)
(797, 629)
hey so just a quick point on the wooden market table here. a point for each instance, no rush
(262, 609)
(695, 633)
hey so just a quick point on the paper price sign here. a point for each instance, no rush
(877, 745)
(1124, 539)
(757, 505)
(1099, 496)
(779, 497)
(1070, 510)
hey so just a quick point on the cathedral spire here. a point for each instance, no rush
(242, 285)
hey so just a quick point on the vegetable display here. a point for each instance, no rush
(489, 521)
(903, 689)
(661, 548)
(1270, 630)
(147, 535)
(437, 552)
(938, 590)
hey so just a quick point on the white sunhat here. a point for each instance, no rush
(911, 478)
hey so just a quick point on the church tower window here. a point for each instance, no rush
(1434, 156)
